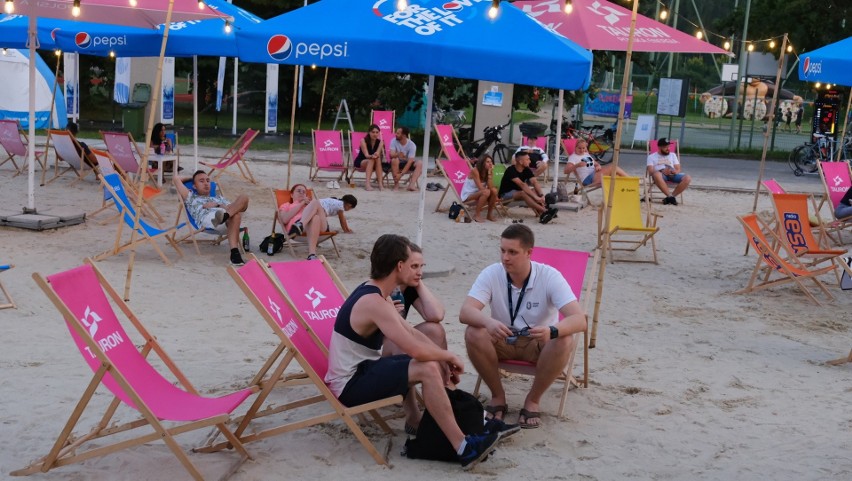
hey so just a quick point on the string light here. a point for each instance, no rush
(112, 54)
(132, 3)
(817, 85)
(9, 8)
(828, 86)
(664, 13)
(4, 51)
(789, 48)
(699, 35)
(401, 5)
(57, 52)
(494, 10)
(750, 47)
(227, 27)
(75, 10)
(569, 7)
(772, 44)
(313, 66)
(201, 4)
(727, 44)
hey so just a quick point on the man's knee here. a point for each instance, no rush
(477, 337)
(434, 331)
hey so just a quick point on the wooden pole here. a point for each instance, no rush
(292, 124)
(845, 118)
(322, 98)
(607, 206)
(143, 178)
(50, 117)
(770, 122)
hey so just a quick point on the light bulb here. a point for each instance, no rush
(401, 5)
(494, 10)
(828, 86)
(200, 5)
(111, 54)
(727, 45)
(750, 47)
(568, 7)
(227, 27)
(699, 35)
(10, 8)
(132, 3)
(57, 52)
(664, 14)
(75, 10)
(313, 66)
(4, 51)
(817, 85)
(772, 44)
(789, 48)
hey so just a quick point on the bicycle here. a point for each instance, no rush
(456, 118)
(491, 135)
(803, 159)
(600, 139)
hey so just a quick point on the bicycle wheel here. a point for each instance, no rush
(601, 152)
(803, 160)
(501, 154)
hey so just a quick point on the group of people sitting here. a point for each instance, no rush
(302, 215)
(403, 158)
(374, 353)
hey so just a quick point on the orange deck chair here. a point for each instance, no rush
(283, 196)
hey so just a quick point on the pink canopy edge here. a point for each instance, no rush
(146, 14)
(601, 25)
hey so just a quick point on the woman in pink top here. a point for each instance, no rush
(303, 215)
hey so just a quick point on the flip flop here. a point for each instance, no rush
(500, 409)
(527, 415)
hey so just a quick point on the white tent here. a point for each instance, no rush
(14, 70)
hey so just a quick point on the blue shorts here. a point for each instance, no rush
(589, 179)
(379, 379)
(508, 195)
(674, 179)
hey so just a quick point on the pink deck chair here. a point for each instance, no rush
(386, 120)
(14, 141)
(355, 139)
(836, 180)
(652, 149)
(540, 142)
(67, 150)
(572, 265)
(773, 186)
(456, 172)
(106, 166)
(450, 145)
(80, 294)
(328, 153)
(234, 156)
(298, 340)
(125, 151)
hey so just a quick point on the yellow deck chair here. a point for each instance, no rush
(627, 227)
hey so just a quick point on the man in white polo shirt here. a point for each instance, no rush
(534, 316)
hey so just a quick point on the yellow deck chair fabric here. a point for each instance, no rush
(627, 227)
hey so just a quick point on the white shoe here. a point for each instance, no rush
(329, 184)
(336, 184)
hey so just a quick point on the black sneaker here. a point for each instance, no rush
(502, 429)
(312, 257)
(477, 449)
(237, 259)
(297, 229)
(673, 200)
(546, 216)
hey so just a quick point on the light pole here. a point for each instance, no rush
(745, 84)
(735, 109)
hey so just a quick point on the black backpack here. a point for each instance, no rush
(276, 241)
(431, 443)
(455, 210)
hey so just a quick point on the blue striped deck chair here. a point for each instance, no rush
(144, 233)
(193, 227)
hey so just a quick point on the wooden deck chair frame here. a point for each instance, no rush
(297, 342)
(354, 145)
(651, 148)
(108, 165)
(626, 220)
(770, 260)
(568, 147)
(195, 229)
(842, 178)
(14, 141)
(327, 149)
(282, 196)
(128, 375)
(234, 156)
(583, 292)
(66, 149)
(794, 230)
(9, 303)
(145, 232)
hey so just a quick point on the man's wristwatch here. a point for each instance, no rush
(554, 332)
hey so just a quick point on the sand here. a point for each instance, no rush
(688, 379)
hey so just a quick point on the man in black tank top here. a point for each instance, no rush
(358, 373)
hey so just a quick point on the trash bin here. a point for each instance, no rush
(532, 128)
(133, 113)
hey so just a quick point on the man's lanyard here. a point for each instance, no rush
(514, 313)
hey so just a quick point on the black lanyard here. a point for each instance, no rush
(514, 313)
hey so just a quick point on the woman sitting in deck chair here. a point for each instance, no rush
(479, 188)
(305, 215)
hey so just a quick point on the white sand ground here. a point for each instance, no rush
(689, 381)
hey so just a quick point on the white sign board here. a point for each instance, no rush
(644, 128)
(729, 72)
(671, 97)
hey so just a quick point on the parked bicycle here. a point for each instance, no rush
(456, 118)
(599, 138)
(500, 152)
(803, 159)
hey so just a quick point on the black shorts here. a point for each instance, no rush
(374, 380)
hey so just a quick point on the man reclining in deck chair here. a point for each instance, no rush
(357, 372)
(215, 213)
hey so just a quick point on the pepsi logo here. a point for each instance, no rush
(279, 47)
(53, 34)
(806, 64)
(452, 6)
(83, 40)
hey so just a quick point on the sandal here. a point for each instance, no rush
(500, 409)
(527, 415)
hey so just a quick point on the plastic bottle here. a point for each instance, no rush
(269, 250)
(162, 148)
(245, 239)
(576, 189)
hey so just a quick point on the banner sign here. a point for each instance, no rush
(121, 90)
(220, 82)
(72, 85)
(271, 97)
(167, 110)
(605, 104)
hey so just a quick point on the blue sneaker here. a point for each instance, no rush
(477, 449)
(502, 429)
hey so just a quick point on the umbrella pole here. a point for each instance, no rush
(430, 93)
(607, 206)
(322, 98)
(32, 41)
(559, 107)
(771, 120)
(158, 91)
(195, 110)
(50, 118)
(292, 123)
